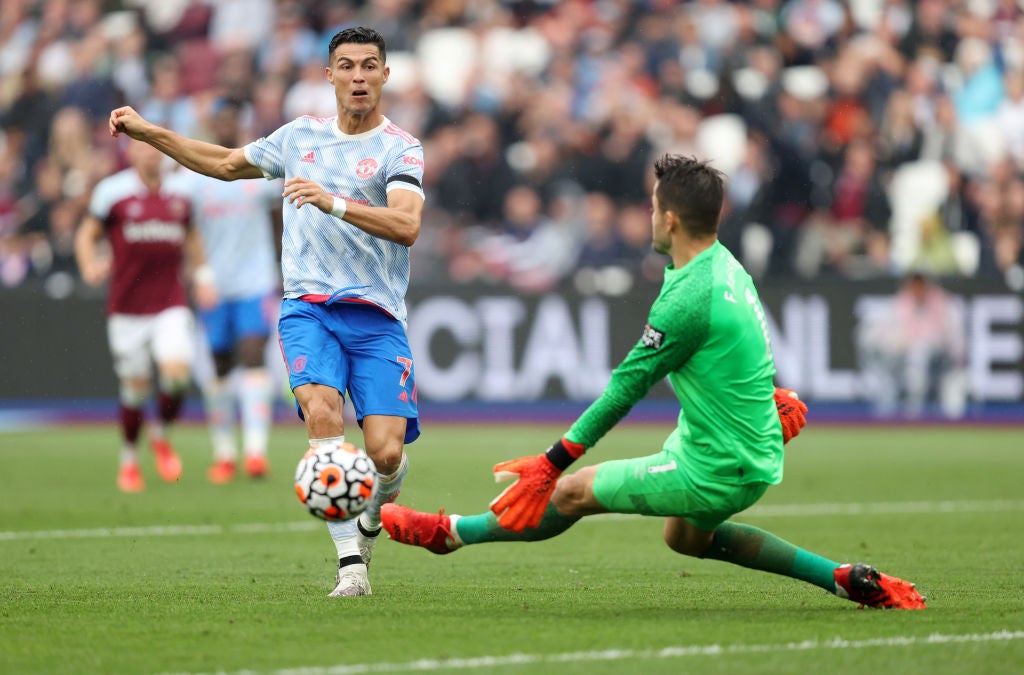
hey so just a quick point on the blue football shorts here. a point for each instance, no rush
(232, 320)
(355, 348)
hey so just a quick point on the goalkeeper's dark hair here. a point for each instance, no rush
(360, 35)
(693, 190)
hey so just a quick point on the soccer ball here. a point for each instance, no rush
(335, 482)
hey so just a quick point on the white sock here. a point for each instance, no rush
(129, 454)
(455, 538)
(255, 397)
(220, 416)
(333, 440)
(387, 489)
(156, 431)
(343, 533)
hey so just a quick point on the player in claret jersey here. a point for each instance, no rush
(146, 218)
(707, 334)
(353, 202)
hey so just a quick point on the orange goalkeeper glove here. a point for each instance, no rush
(523, 503)
(792, 413)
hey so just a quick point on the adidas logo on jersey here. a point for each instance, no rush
(308, 157)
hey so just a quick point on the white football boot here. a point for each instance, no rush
(352, 581)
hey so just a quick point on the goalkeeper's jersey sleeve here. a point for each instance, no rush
(708, 334)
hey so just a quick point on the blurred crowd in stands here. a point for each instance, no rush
(861, 139)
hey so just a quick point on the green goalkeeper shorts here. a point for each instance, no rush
(662, 485)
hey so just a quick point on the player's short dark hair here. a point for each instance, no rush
(360, 35)
(692, 189)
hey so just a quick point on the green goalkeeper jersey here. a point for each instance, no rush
(708, 334)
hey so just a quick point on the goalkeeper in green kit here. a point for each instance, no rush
(707, 333)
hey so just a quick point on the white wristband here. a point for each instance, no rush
(203, 275)
(339, 208)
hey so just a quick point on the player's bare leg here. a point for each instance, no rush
(323, 407)
(385, 441)
(354, 540)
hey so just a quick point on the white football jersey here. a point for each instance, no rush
(325, 256)
(234, 219)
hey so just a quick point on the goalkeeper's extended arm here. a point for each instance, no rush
(523, 503)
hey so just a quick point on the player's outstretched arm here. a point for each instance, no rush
(93, 269)
(205, 158)
(204, 288)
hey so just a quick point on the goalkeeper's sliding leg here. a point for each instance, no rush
(736, 543)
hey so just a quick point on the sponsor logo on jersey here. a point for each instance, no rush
(308, 157)
(299, 364)
(150, 231)
(663, 468)
(652, 337)
(415, 161)
(366, 168)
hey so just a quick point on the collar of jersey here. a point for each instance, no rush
(358, 137)
(709, 251)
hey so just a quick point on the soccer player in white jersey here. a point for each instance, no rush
(145, 217)
(354, 200)
(237, 221)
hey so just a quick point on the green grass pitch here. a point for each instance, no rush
(197, 578)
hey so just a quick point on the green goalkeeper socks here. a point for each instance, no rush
(484, 527)
(757, 549)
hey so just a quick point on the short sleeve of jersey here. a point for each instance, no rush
(101, 201)
(405, 172)
(267, 153)
(677, 326)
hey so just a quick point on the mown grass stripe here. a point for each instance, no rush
(672, 652)
(766, 511)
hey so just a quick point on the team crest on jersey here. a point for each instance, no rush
(177, 207)
(366, 168)
(133, 210)
(652, 337)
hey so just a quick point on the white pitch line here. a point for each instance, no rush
(163, 531)
(675, 652)
(763, 511)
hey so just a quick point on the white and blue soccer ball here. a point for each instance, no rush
(335, 482)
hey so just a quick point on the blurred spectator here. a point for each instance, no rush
(291, 43)
(474, 185)
(532, 250)
(568, 95)
(913, 351)
(850, 236)
(931, 32)
(900, 139)
(168, 104)
(1000, 201)
(309, 96)
(1011, 117)
(602, 245)
(240, 24)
